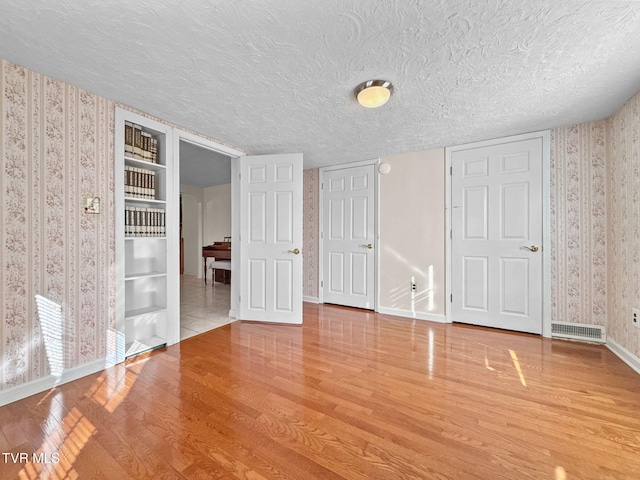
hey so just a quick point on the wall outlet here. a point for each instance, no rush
(635, 317)
(414, 287)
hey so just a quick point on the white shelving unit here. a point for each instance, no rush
(147, 267)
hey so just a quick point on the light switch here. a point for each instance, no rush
(92, 204)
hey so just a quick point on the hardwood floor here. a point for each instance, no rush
(349, 395)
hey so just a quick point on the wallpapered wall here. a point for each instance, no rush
(579, 224)
(623, 207)
(595, 223)
(57, 146)
(310, 229)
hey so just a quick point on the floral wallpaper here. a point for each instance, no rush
(595, 223)
(310, 231)
(579, 224)
(56, 147)
(623, 164)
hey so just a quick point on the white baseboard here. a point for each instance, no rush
(40, 385)
(409, 314)
(310, 299)
(623, 354)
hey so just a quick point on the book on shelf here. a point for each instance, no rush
(153, 147)
(146, 146)
(139, 144)
(128, 138)
(139, 182)
(144, 222)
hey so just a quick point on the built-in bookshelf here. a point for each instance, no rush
(147, 312)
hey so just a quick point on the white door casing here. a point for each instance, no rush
(271, 238)
(497, 235)
(348, 235)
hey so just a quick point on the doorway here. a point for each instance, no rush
(499, 228)
(269, 185)
(205, 218)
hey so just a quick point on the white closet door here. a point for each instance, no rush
(349, 236)
(497, 235)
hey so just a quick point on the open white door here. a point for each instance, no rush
(271, 238)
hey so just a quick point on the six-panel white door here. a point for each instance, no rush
(271, 238)
(348, 236)
(496, 219)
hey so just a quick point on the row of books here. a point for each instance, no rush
(139, 182)
(144, 222)
(140, 144)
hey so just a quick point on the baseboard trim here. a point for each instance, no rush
(310, 299)
(409, 314)
(623, 354)
(25, 390)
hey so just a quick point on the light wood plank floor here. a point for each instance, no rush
(349, 395)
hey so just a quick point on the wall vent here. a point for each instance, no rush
(578, 331)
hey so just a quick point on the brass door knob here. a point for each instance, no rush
(532, 248)
(368, 245)
(295, 251)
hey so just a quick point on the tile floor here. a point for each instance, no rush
(202, 307)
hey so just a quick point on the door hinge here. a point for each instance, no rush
(450, 233)
(450, 170)
(321, 234)
(322, 186)
(321, 283)
(451, 298)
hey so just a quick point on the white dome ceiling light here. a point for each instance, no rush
(373, 93)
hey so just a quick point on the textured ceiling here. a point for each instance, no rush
(272, 76)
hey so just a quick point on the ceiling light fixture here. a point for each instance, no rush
(373, 93)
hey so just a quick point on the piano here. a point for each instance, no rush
(217, 251)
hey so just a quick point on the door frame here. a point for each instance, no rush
(376, 223)
(545, 135)
(234, 154)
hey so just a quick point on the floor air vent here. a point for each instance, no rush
(576, 331)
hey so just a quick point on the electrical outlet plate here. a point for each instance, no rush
(635, 317)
